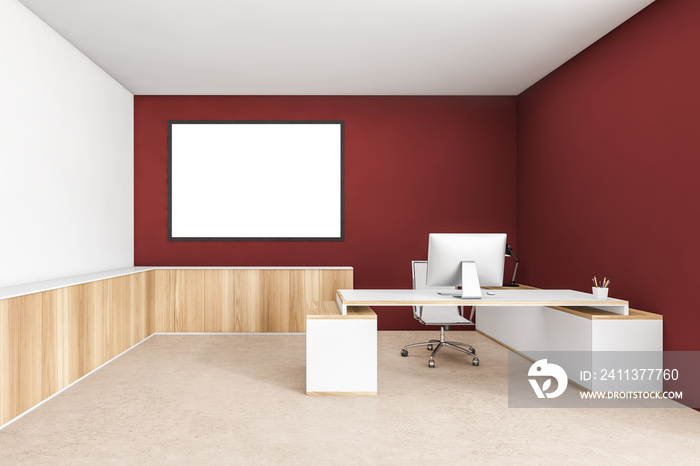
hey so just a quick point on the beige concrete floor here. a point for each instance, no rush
(240, 399)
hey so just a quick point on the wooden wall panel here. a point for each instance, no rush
(30, 350)
(305, 288)
(90, 301)
(67, 336)
(311, 285)
(189, 301)
(248, 300)
(52, 355)
(334, 280)
(9, 352)
(5, 349)
(111, 332)
(241, 300)
(22, 355)
(262, 300)
(219, 315)
(151, 291)
(276, 300)
(49, 340)
(136, 321)
(276, 303)
(145, 302)
(121, 322)
(61, 341)
(164, 313)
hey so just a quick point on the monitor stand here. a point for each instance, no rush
(471, 289)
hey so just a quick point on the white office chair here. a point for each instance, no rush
(444, 316)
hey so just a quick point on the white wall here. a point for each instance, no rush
(66, 157)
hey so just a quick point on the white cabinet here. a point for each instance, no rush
(584, 343)
(341, 354)
(516, 327)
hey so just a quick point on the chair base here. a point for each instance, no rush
(435, 346)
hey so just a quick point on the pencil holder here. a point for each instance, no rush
(600, 293)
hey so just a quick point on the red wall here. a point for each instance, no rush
(609, 169)
(413, 165)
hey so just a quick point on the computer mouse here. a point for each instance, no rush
(491, 293)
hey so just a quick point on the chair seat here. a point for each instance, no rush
(443, 316)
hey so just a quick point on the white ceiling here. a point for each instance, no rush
(332, 47)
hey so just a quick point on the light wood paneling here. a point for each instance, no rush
(248, 299)
(262, 300)
(277, 305)
(334, 280)
(151, 301)
(67, 337)
(61, 341)
(219, 315)
(5, 349)
(164, 314)
(189, 301)
(53, 345)
(91, 303)
(22, 367)
(29, 357)
(50, 339)
(117, 318)
(179, 301)
(241, 300)
(144, 304)
(311, 285)
(305, 289)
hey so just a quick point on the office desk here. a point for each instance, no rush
(501, 297)
(536, 322)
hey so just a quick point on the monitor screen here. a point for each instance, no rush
(446, 251)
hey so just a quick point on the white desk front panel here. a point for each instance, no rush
(560, 331)
(517, 327)
(341, 356)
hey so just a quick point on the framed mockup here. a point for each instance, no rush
(255, 180)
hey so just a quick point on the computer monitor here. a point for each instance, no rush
(469, 260)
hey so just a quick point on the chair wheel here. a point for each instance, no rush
(475, 362)
(431, 363)
(429, 347)
(473, 351)
(404, 352)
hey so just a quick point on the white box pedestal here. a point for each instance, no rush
(341, 356)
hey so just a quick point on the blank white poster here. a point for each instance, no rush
(254, 180)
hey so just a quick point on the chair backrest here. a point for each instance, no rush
(420, 272)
